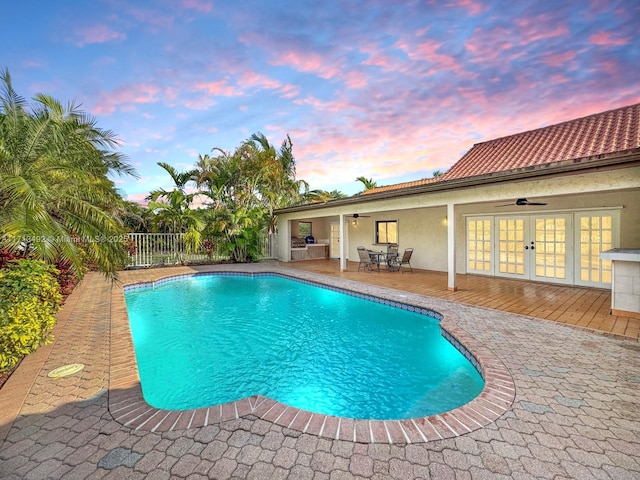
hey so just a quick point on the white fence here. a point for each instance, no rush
(157, 249)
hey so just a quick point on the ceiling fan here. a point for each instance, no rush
(357, 215)
(520, 202)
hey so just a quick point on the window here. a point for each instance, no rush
(304, 229)
(387, 231)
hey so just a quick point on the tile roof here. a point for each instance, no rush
(397, 186)
(602, 133)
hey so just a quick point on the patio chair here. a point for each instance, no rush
(404, 260)
(392, 252)
(366, 260)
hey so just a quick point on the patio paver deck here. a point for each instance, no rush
(576, 412)
(579, 306)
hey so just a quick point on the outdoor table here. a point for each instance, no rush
(382, 257)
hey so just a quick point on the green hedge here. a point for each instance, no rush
(29, 301)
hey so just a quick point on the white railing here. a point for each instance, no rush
(157, 249)
(268, 246)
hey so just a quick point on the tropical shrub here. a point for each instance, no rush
(66, 278)
(65, 275)
(29, 300)
(209, 247)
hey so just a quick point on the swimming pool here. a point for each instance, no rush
(205, 340)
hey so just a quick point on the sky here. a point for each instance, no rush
(389, 90)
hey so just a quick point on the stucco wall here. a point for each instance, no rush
(420, 217)
(423, 230)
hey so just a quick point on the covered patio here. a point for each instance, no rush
(582, 307)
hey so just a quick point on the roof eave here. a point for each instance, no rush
(585, 163)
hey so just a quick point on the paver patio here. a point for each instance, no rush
(576, 412)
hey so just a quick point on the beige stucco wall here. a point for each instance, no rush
(423, 230)
(420, 217)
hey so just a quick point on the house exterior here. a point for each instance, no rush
(578, 185)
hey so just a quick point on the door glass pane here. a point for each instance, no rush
(596, 233)
(550, 248)
(479, 245)
(511, 246)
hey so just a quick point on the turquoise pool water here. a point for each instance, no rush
(205, 340)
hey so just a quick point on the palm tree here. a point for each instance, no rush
(278, 186)
(172, 209)
(56, 200)
(321, 196)
(180, 180)
(235, 213)
(367, 182)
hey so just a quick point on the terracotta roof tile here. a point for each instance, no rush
(607, 132)
(398, 186)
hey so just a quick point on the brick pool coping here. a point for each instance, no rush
(128, 407)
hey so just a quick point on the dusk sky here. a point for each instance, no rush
(386, 89)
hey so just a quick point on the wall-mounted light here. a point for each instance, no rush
(445, 221)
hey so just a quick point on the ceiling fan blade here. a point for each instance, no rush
(535, 203)
(506, 205)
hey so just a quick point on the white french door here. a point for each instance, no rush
(511, 258)
(552, 259)
(334, 243)
(555, 247)
(535, 247)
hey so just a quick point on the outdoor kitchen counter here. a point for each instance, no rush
(310, 251)
(625, 281)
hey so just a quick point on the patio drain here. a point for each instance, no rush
(65, 370)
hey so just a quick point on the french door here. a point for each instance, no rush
(536, 247)
(557, 247)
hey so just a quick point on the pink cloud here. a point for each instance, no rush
(250, 79)
(126, 97)
(472, 7)
(377, 57)
(558, 59)
(97, 34)
(355, 79)
(325, 106)
(428, 51)
(139, 198)
(198, 5)
(611, 67)
(605, 39)
(290, 91)
(308, 62)
(219, 88)
(487, 45)
(383, 61)
(533, 29)
(199, 103)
